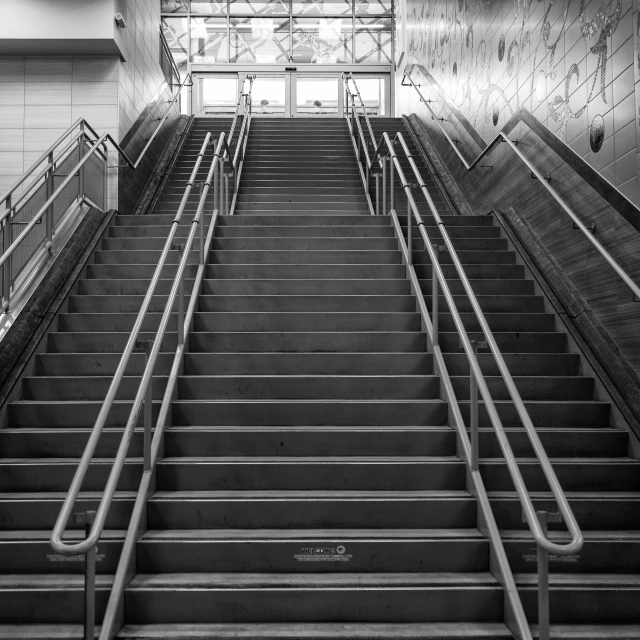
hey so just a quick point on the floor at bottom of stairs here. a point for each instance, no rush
(320, 631)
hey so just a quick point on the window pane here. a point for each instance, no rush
(174, 6)
(259, 7)
(262, 40)
(317, 96)
(322, 40)
(175, 31)
(268, 96)
(373, 94)
(373, 40)
(212, 8)
(373, 7)
(219, 95)
(209, 42)
(322, 7)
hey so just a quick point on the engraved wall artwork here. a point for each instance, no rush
(596, 133)
(557, 58)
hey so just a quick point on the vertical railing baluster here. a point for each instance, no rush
(409, 231)
(473, 408)
(148, 411)
(384, 185)
(434, 300)
(87, 519)
(49, 189)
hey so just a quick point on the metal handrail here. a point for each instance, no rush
(152, 445)
(172, 60)
(502, 137)
(96, 520)
(536, 522)
(76, 484)
(349, 76)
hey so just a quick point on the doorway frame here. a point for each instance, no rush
(305, 70)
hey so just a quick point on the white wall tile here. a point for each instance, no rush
(91, 93)
(47, 93)
(48, 69)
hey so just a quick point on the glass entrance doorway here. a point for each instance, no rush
(289, 94)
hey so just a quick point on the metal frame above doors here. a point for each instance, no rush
(291, 75)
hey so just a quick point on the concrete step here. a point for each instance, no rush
(311, 509)
(337, 631)
(297, 412)
(215, 597)
(302, 303)
(314, 473)
(48, 598)
(246, 550)
(274, 387)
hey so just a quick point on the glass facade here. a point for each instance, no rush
(279, 31)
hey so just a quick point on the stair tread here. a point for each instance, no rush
(309, 534)
(308, 580)
(320, 631)
(275, 494)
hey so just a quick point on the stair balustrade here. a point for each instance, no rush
(587, 230)
(224, 164)
(385, 153)
(80, 156)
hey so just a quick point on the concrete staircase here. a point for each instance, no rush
(310, 485)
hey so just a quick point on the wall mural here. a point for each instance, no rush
(575, 64)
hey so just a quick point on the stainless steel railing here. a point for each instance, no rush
(502, 137)
(94, 521)
(385, 153)
(79, 156)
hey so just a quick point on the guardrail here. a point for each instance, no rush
(502, 137)
(94, 521)
(80, 157)
(385, 154)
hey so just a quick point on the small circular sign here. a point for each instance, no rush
(340, 549)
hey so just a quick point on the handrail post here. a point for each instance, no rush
(148, 410)
(180, 249)
(105, 177)
(409, 232)
(392, 180)
(226, 192)
(434, 299)
(87, 519)
(6, 241)
(473, 409)
(377, 176)
(384, 185)
(201, 224)
(221, 186)
(50, 188)
(544, 517)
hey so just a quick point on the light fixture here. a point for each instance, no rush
(120, 20)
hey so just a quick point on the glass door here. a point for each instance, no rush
(375, 92)
(288, 94)
(316, 96)
(271, 95)
(215, 94)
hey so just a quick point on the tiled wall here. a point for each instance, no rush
(140, 76)
(41, 97)
(575, 64)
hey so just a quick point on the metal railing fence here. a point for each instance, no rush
(384, 160)
(221, 168)
(71, 173)
(542, 180)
